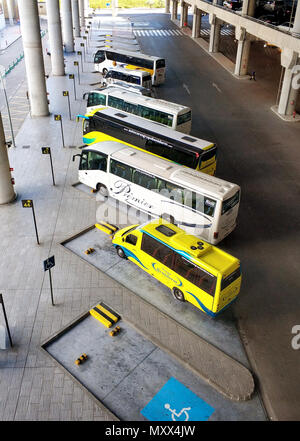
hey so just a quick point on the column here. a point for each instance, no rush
(7, 192)
(290, 85)
(196, 29)
(243, 50)
(167, 6)
(183, 14)
(67, 25)
(55, 37)
(248, 7)
(81, 13)
(214, 36)
(11, 11)
(33, 56)
(174, 10)
(75, 18)
(296, 25)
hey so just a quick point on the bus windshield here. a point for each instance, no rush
(230, 203)
(231, 278)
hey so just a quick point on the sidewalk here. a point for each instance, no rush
(9, 35)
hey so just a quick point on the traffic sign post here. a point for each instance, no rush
(47, 151)
(48, 264)
(72, 77)
(66, 93)
(28, 203)
(59, 118)
(77, 64)
(83, 45)
(80, 53)
(6, 321)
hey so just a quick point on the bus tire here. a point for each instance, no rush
(102, 190)
(121, 253)
(168, 218)
(178, 295)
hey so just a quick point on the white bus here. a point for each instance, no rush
(168, 114)
(203, 205)
(104, 59)
(120, 74)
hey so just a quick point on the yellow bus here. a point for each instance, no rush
(194, 270)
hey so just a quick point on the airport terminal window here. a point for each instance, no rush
(96, 99)
(144, 180)
(120, 169)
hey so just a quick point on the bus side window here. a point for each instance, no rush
(121, 170)
(117, 103)
(97, 161)
(83, 165)
(96, 99)
(143, 180)
(131, 238)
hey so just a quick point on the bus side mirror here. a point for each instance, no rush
(74, 156)
(85, 95)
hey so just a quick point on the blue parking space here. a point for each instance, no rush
(175, 402)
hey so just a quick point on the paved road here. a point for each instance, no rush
(261, 153)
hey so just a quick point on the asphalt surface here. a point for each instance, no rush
(261, 153)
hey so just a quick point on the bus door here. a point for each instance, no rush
(92, 168)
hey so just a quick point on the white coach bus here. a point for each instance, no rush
(202, 205)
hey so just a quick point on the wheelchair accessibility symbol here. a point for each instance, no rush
(176, 402)
(178, 415)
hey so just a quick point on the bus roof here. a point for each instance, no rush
(179, 174)
(143, 100)
(133, 88)
(213, 259)
(129, 72)
(133, 54)
(157, 129)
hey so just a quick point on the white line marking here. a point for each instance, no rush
(186, 88)
(218, 89)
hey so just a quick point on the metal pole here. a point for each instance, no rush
(34, 220)
(8, 112)
(51, 290)
(52, 168)
(62, 132)
(69, 104)
(6, 321)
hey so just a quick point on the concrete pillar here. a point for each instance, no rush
(214, 36)
(174, 10)
(243, 51)
(81, 13)
(33, 56)
(75, 18)
(183, 14)
(67, 25)
(7, 192)
(167, 6)
(296, 25)
(248, 7)
(290, 87)
(196, 29)
(55, 37)
(11, 11)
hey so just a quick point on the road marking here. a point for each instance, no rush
(186, 88)
(218, 89)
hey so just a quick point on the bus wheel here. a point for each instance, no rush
(121, 253)
(102, 190)
(178, 294)
(168, 218)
